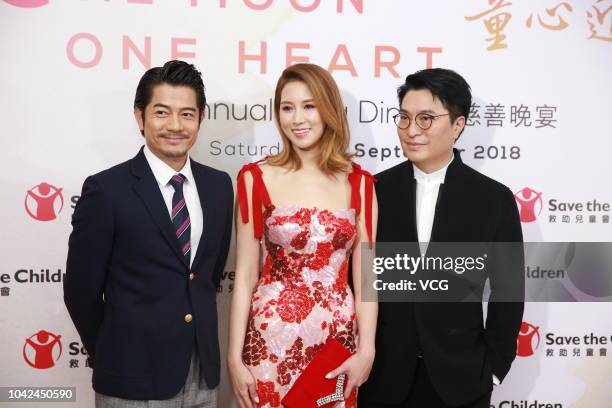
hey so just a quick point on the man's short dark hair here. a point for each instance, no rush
(176, 73)
(444, 84)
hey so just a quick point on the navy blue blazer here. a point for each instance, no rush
(128, 288)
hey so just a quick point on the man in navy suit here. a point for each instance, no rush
(149, 243)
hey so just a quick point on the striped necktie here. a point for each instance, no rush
(180, 216)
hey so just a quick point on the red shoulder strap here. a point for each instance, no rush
(355, 182)
(259, 196)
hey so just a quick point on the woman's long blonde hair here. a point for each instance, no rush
(334, 156)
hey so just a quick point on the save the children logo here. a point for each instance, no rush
(44, 202)
(530, 204)
(561, 210)
(27, 3)
(528, 340)
(562, 344)
(41, 350)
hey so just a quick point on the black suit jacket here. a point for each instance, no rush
(127, 286)
(459, 352)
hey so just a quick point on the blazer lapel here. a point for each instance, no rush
(450, 196)
(203, 185)
(414, 233)
(406, 202)
(147, 189)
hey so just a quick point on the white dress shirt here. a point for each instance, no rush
(163, 173)
(428, 187)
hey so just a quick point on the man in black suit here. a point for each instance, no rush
(440, 354)
(149, 243)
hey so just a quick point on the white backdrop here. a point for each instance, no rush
(540, 75)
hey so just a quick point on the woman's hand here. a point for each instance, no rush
(243, 384)
(357, 369)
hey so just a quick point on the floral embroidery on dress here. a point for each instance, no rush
(302, 297)
(267, 396)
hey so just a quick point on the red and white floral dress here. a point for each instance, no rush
(302, 297)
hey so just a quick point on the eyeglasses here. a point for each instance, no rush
(422, 120)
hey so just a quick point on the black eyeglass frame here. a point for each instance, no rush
(431, 119)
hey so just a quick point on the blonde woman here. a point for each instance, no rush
(302, 215)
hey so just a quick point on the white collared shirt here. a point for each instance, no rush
(163, 173)
(428, 186)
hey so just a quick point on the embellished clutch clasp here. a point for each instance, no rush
(336, 396)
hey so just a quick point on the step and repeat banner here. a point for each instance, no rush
(540, 123)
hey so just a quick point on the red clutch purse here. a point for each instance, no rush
(312, 389)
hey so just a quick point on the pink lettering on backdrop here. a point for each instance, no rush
(258, 5)
(294, 59)
(357, 4)
(429, 51)
(305, 6)
(143, 56)
(255, 6)
(262, 57)
(175, 53)
(306, 9)
(387, 64)
(93, 40)
(334, 65)
(28, 3)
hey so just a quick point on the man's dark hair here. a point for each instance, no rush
(176, 73)
(444, 84)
